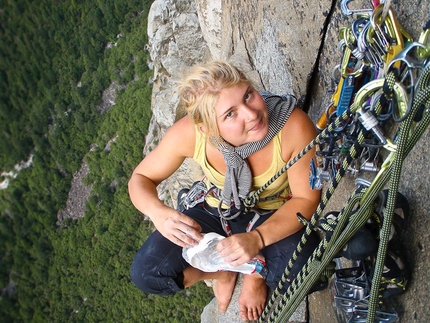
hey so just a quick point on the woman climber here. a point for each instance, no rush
(240, 138)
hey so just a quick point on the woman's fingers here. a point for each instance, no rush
(183, 239)
(237, 249)
(182, 230)
(190, 229)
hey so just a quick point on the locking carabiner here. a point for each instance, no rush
(372, 87)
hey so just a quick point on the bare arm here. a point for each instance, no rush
(300, 131)
(158, 165)
(297, 133)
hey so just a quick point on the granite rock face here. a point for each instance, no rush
(284, 47)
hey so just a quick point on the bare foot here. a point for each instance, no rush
(223, 289)
(252, 299)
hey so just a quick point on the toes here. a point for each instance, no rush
(249, 314)
(222, 309)
(244, 315)
(253, 314)
(256, 314)
(244, 318)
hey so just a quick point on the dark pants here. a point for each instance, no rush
(158, 265)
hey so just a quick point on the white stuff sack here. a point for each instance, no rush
(205, 257)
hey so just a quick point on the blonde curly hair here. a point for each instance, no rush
(200, 88)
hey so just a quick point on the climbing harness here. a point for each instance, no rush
(189, 198)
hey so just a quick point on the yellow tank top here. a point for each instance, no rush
(272, 198)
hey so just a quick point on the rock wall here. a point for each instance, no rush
(284, 47)
(175, 43)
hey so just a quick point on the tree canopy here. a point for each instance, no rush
(57, 58)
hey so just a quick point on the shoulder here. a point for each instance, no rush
(297, 132)
(299, 125)
(184, 125)
(181, 136)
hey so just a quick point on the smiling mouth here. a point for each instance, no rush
(257, 126)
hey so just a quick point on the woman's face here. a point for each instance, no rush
(241, 115)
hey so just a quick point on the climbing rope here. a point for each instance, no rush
(422, 99)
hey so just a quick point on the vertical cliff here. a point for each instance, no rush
(285, 47)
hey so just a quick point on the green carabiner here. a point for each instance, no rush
(347, 37)
(372, 87)
(424, 53)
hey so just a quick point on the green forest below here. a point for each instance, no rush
(55, 63)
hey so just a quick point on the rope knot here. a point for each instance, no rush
(251, 200)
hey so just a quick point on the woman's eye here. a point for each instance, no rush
(229, 115)
(247, 96)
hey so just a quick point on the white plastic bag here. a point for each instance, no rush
(205, 257)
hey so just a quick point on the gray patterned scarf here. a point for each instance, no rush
(238, 177)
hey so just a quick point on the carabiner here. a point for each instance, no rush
(424, 53)
(346, 11)
(348, 38)
(397, 35)
(372, 87)
(394, 43)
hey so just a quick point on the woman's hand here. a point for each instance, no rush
(240, 248)
(178, 228)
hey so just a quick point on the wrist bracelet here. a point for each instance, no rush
(261, 237)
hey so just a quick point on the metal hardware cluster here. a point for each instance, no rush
(383, 80)
(349, 290)
(372, 46)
